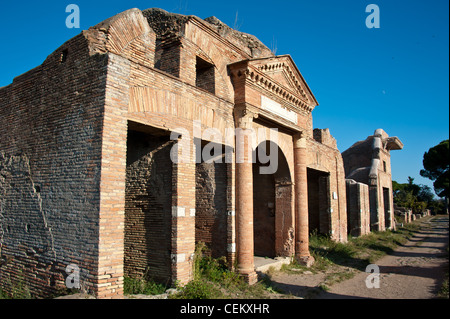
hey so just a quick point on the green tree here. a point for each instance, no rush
(436, 167)
(425, 194)
(413, 196)
(405, 194)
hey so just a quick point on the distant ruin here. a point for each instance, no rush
(369, 162)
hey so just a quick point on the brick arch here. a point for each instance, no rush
(284, 143)
(124, 34)
(273, 213)
(123, 29)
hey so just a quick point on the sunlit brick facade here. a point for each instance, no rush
(87, 142)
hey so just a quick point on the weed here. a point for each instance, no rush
(17, 289)
(3, 295)
(135, 286)
(443, 290)
(213, 280)
(198, 289)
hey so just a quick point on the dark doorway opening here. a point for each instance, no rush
(387, 208)
(319, 201)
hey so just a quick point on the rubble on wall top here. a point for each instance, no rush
(166, 23)
(241, 39)
(163, 22)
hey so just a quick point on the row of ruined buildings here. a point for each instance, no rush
(87, 146)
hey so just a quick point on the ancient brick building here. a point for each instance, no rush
(369, 162)
(105, 156)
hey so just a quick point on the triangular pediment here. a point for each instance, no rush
(283, 71)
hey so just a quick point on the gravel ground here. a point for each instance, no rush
(414, 270)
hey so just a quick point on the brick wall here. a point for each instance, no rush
(51, 119)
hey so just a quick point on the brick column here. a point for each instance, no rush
(301, 203)
(244, 198)
(231, 213)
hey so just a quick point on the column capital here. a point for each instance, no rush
(244, 115)
(299, 140)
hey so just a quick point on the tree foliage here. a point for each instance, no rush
(413, 196)
(436, 167)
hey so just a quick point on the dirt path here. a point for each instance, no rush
(413, 271)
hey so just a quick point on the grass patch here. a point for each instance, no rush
(199, 289)
(443, 290)
(214, 280)
(358, 252)
(137, 286)
(17, 289)
(3, 295)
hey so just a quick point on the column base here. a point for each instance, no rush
(306, 261)
(250, 278)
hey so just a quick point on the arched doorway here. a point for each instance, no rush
(273, 221)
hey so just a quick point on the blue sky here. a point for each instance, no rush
(395, 77)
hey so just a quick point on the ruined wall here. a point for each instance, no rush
(358, 160)
(168, 99)
(369, 162)
(358, 208)
(51, 119)
(172, 102)
(323, 156)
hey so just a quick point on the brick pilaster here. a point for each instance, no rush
(109, 281)
(183, 218)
